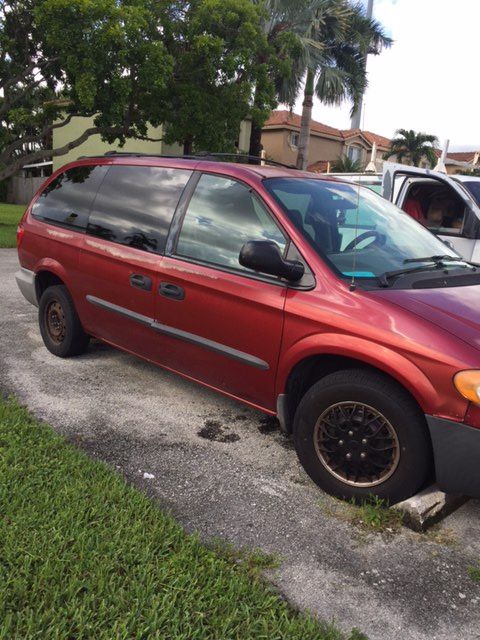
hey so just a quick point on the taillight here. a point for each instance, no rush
(20, 234)
(21, 229)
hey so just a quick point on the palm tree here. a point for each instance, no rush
(280, 63)
(345, 165)
(338, 36)
(413, 146)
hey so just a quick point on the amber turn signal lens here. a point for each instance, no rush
(468, 384)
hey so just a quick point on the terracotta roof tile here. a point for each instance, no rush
(288, 119)
(459, 156)
(462, 156)
(381, 141)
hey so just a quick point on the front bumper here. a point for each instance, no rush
(26, 283)
(456, 450)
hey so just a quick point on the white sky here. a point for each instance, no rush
(428, 80)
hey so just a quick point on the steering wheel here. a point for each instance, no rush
(378, 238)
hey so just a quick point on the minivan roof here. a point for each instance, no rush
(233, 168)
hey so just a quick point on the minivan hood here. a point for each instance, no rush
(455, 309)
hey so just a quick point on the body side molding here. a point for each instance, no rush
(218, 347)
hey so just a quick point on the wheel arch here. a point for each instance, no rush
(47, 273)
(307, 363)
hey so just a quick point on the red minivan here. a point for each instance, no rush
(308, 298)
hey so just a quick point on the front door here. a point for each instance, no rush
(436, 201)
(221, 323)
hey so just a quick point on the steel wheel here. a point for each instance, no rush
(356, 444)
(55, 321)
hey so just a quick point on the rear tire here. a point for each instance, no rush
(357, 433)
(60, 325)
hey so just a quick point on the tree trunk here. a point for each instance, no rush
(187, 147)
(304, 139)
(256, 146)
(256, 140)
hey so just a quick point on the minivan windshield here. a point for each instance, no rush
(340, 220)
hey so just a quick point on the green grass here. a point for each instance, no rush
(372, 515)
(84, 555)
(474, 573)
(10, 215)
(375, 515)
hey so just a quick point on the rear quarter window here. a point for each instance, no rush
(135, 205)
(66, 201)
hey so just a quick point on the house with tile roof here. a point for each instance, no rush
(461, 161)
(282, 130)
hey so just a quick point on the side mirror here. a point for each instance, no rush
(265, 256)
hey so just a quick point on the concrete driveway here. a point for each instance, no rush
(224, 470)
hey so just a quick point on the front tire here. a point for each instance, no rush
(358, 433)
(60, 325)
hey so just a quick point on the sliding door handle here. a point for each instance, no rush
(141, 282)
(171, 291)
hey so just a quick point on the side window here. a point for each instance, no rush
(135, 205)
(66, 201)
(445, 214)
(222, 215)
(436, 206)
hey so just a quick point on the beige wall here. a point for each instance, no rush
(453, 169)
(275, 145)
(95, 146)
(244, 137)
(278, 146)
(324, 149)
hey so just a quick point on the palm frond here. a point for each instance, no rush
(414, 146)
(332, 85)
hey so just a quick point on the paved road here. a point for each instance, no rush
(242, 482)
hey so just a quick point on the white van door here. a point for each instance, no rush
(436, 201)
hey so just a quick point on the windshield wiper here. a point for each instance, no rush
(388, 275)
(435, 259)
(437, 264)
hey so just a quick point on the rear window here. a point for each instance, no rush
(135, 205)
(66, 201)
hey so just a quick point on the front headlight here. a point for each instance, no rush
(468, 384)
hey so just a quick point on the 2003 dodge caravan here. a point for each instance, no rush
(309, 298)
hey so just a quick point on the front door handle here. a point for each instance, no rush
(171, 291)
(141, 282)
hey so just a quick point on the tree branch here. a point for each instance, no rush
(18, 144)
(34, 64)
(9, 103)
(147, 139)
(41, 154)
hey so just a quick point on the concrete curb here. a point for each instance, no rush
(428, 507)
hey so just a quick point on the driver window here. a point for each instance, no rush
(222, 216)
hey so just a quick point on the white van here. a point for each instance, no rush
(448, 205)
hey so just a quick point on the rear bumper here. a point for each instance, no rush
(26, 283)
(456, 449)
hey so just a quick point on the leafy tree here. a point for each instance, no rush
(412, 146)
(344, 164)
(338, 37)
(217, 46)
(61, 58)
